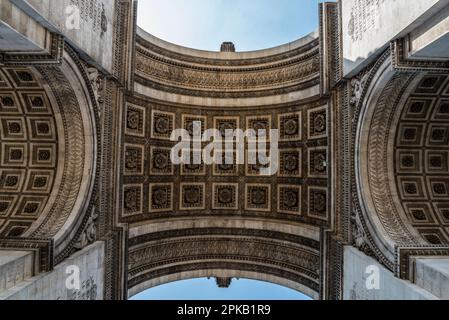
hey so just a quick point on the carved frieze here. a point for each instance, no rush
(192, 78)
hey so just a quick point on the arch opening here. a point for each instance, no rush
(161, 253)
(402, 159)
(220, 289)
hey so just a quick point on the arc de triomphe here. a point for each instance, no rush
(87, 181)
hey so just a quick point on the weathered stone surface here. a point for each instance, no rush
(433, 276)
(369, 25)
(360, 270)
(53, 285)
(15, 267)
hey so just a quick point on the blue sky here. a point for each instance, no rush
(250, 24)
(205, 24)
(206, 289)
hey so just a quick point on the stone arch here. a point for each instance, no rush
(386, 212)
(160, 253)
(206, 217)
(222, 271)
(66, 109)
(420, 157)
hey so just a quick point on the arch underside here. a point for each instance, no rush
(48, 160)
(162, 257)
(223, 270)
(403, 178)
(201, 219)
(85, 146)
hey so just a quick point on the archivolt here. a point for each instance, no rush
(166, 256)
(382, 111)
(74, 104)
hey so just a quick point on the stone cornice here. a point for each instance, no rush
(312, 45)
(288, 70)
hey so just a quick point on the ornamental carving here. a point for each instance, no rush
(290, 126)
(161, 197)
(318, 162)
(161, 163)
(134, 160)
(289, 197)
(226, 196)
(318, 203)
(192, 196)
(358, 84)
(421, 159)
(290, 163)
(180, 74)
(225, 188)
(162, 192)
(401, 158)
(258, 197)
(317, 121)
(162, 124)
(362, 161)
(28, 150)
(380, 190)
(132, 199)
(89, 233)
(135, 120)
(291, 257)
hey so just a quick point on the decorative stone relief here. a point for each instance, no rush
(421, 158)
(192, 196)
(28, 150)
(289, 197)
(226, 196)
(258, 197)
(89, 234)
